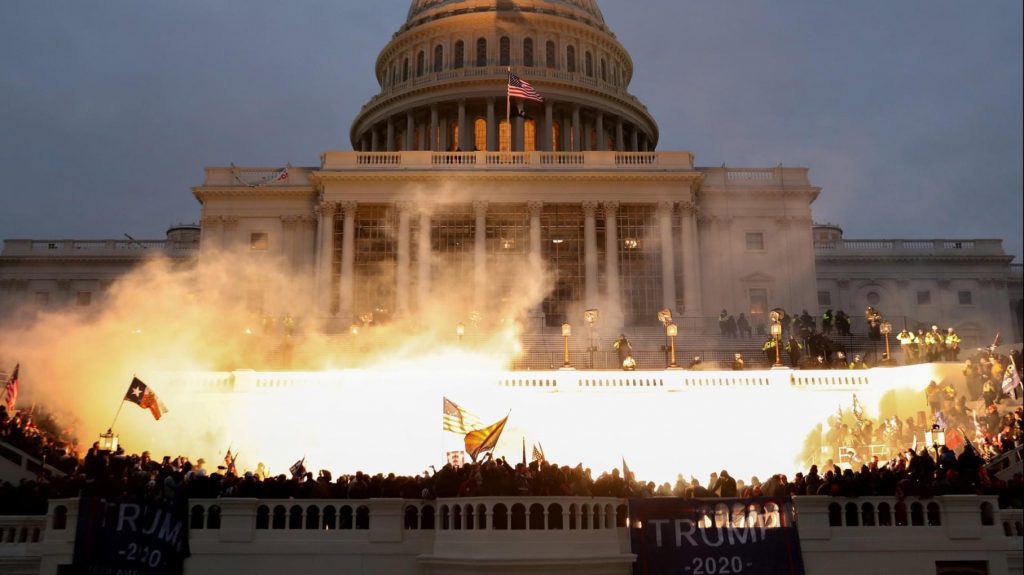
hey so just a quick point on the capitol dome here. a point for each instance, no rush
(443, 81)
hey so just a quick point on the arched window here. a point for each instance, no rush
(604, 70)
(528, 52)
(438, 58)
(453, 137)
(549, 55)
(481, 52)
(588, 60)
(460, 55)
(421, 63)
(479, 134)
(405, 70)
(570, 59)
(530, 136)
(504, 51)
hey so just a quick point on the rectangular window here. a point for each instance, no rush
(965, 298)
(83, 298)
(259, 241)
(42, 298)
(824, 298)
(924, 297)
(758, 301)
(755, 241)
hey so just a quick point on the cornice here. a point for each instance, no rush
(202, 192)
(503, 176)
(905, 258)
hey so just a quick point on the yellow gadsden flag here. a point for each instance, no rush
(481, 440)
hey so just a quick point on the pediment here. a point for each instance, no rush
(757, 277)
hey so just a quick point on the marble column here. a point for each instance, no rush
(374, 140)
(390, 133)
(611, 265)
(410, 131)
(576, 137)
(590, 254)
(549, 122)
(620, 141)
(434, 138)
(325, 253)
(492, 127)
(480, 255)
(692, 306)
(668, 256)
(518, 134)
(465, 144)
(423, 257)
(566, 132)
(348, 244)
(443, 137)
(536, 254)
(599, 128)
(404, 257)
(634, 144)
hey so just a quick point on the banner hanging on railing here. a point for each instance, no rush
(130, 536)
(755, 536)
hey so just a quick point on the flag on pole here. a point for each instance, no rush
(519, 88)
(142, 395)
(1011, 380)
(229, 462)
(458, 420)
(298, 468)
(11, 389)
(480, 440)
(626, 475)
(538, 452)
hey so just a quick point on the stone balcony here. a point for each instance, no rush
(975, 247)
(97, 248)
(513, 535)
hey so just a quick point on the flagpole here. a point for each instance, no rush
(508, 111)
(116, 415)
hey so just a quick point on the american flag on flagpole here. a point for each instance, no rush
(519, 88)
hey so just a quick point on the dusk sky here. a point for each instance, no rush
(907, 112)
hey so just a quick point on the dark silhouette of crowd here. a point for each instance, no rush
(117, 473)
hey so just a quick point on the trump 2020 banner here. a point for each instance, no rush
(674, 536)
(130, 537)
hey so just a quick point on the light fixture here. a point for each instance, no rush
(631, 243)
(108, 441)
(460, 330)
(777, 336)
(671, 330)
(566, 332)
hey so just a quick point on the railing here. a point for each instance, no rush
(28, 466)
(255, 177)
(755, 177)
(938, 247)
(413, 160)
(108, 248)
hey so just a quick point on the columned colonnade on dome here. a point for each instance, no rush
(479, 124)
(637, 258)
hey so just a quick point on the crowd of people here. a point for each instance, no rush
(908, 471)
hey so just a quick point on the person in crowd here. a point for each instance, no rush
(908, 345)
(625, 352)
(743, 326)
(843, 323)
(933, 396)
(737, 362)
(826, 322)
(722, 319)
(794, 349)
(695, 364)
(952, 345)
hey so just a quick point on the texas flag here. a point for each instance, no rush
(140, 394)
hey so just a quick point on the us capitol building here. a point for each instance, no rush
(440, 183)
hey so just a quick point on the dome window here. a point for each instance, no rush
(460, 55)
(528, 52)
(549, 55)
(438, 58)
(505, 52)
(570, 59)
(481, 52)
